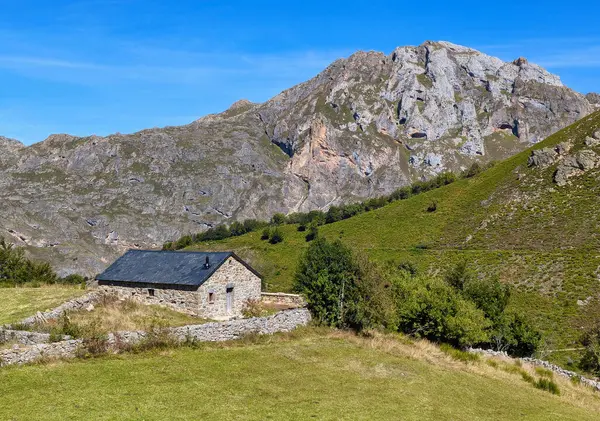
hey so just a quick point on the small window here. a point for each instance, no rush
(211, 297)
(151, 292)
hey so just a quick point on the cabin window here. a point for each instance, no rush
(211, 297)
(151, 292)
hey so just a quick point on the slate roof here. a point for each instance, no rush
(166, 267)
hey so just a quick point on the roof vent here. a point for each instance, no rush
(206, 263)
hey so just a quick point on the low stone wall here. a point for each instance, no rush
(284, 321)
(283, 299)
(71, 305)
(541, 363)
(56, 350)
(24, 337)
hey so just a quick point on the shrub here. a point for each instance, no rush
(432, 207)
(408, 267)
(590, 361)
(473, 170)
(458, 276)
(276, 236)
(265, 234)
(73, 279)
(313, 232)
(183, 242)
(254, 308)
(431, 309)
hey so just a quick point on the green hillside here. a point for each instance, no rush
(511, 221)
(306, 374)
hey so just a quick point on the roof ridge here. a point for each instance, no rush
(180, 251)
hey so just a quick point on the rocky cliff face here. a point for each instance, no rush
(363, 127)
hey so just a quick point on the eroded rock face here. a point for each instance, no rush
(363, 127)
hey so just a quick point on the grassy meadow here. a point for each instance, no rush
(18, 303)
(308, 374)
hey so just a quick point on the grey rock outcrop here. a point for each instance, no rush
(575, 165)
(363, 127)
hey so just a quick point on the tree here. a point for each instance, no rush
(491, 296)
(278, 219)
(326, 276)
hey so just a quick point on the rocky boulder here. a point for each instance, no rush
(575, 165)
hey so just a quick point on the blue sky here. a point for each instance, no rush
(104, 66)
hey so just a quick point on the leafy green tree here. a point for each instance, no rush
(278, 219)
(513, 334)
(490, 295)
(326, 276)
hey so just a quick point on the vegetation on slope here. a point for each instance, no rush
(302, 375)
(17, 270)
(509, 222)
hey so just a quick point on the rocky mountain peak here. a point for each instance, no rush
(366, 125)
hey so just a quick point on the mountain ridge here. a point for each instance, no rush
(363, 127)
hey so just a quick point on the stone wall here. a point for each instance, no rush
(24, 337)
(185, 301)
(284, 321)
(283, 299)
(246, 286)
(72, 305)
(595, 384)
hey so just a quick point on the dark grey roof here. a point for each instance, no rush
(165, 267)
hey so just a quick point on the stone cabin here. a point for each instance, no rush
(210, 285)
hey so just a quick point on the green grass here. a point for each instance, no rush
(511, 221)
(18, 303)
(310, 375)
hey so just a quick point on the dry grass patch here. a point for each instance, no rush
(113, 315)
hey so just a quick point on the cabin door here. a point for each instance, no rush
(229, 300)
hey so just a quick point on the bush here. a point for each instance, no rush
(430, 308)
(276, 236)
(590, 361)
(313, 232)
(265, 234)
(408, 267)
(458, 276)
(183, 242)
(473, 170)
(432, 207)
(491, 296)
